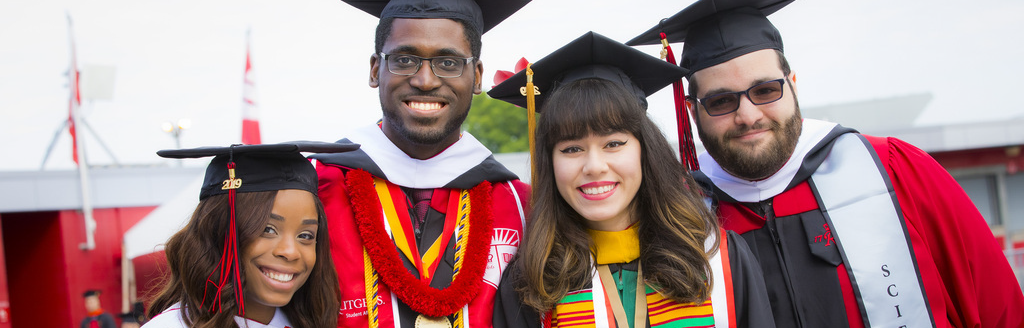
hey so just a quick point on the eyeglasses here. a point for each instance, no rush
(442, 66)
(728, 102)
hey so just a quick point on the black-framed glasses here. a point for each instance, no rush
(442, 66)
(727, 102)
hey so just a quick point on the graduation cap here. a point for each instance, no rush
(91, 292)
(589, 56)
(481, 14)
(716, 31)
(262, 167)
(251, 168)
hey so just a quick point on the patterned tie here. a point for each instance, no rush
(421, 202)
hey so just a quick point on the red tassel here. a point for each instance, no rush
(228, 263)
(687, 149)
(385, 258)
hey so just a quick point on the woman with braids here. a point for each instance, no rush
(255, 252)
(618, 236)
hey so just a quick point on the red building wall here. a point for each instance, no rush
(5, 299)
(33, 248)
(1011, 157)
(47, 270)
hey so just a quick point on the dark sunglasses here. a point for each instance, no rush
(727, 102)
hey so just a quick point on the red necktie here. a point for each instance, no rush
(421, 202)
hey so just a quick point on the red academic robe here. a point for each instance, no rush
(965, 276)
(446, 171)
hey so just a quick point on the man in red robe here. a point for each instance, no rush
(418, 183)
(850, 230)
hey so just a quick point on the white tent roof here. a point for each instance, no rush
(152, 232)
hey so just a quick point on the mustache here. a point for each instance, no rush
(431, 94)
(760, 125)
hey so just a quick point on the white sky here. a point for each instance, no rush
(185, 59)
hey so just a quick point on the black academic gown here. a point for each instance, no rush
(750, 295)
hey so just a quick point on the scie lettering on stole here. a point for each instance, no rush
(892, 291)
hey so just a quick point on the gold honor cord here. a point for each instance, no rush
(460, 245)
(531, 117)
(460, 251)
(610, 291)
(371, 290)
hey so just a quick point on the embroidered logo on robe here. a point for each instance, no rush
(504, 244)
(826, 237)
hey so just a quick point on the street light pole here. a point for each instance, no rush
(175, 129)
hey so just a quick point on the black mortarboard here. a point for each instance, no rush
(91, 292)
(482, 14)
(716, 31)
(591, 56)
(261, 167)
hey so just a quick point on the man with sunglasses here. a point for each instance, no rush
(850, 230)
(423, 219)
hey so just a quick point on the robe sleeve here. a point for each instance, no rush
(509, 311)
(750, 296)
(967, 278)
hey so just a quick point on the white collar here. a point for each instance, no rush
(754, 191)
(173, 316)
(279, 321)
(434, 172)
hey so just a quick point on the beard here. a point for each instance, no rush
(429, 135)
(756, 162)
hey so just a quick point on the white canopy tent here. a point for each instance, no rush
(152, 232)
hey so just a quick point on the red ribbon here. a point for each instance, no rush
(501, 76)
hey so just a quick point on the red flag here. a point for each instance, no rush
(250, 114)
(75, 99)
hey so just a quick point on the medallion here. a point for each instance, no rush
(423, 321)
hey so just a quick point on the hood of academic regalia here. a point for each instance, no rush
(462, 165)
(813, 146)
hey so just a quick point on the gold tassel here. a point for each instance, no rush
(664, 48)
(531, 117)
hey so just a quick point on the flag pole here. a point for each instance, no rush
(250, 111)
(81, 160)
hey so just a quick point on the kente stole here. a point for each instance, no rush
(577, 308)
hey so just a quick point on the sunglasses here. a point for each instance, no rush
(727, 102)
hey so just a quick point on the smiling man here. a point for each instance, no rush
(425, 220)
(850, 230)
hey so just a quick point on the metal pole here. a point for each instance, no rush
(75, 107)
(49, 149)
(83, 174)
(100, 140)
(125, 262)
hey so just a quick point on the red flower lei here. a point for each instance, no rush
(385, 258)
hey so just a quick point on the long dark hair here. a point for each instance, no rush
(193, 253)
(673, 221)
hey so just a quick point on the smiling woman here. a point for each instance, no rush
(616, 216)
(255, 252)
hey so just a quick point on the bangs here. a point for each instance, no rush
(588, 106)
